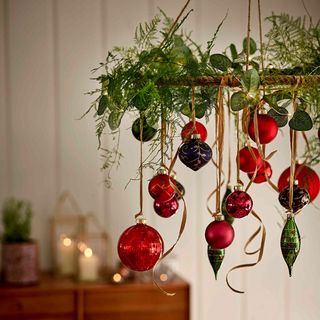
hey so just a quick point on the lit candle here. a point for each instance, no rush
(88, 266)
(66, 256)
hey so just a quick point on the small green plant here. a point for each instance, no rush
(16, 219)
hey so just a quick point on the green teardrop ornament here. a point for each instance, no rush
(227, 217)
(215, 257)
(290, 242)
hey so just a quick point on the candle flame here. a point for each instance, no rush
(88, 252)
(67, 242)
(117, 277)
(163, 277)
(82, 246)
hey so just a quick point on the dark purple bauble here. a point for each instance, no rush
(167, 208)
(219, 234)
(238, 204)
(300, 198)
(195, 153)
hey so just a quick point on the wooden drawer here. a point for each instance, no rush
(136, 302)
(37, 305)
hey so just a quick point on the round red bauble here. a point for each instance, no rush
(161, 185)
(307, 179)
(264, 171)
(188, 130)
(140, 247)
(167, 208)
(238, 204)
(219, 234)
(247, 162)
(267, 126)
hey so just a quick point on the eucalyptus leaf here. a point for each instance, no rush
(271, 100)
(233, 50)
(251, 80)
(186, 110)
(114, 119)
(103, 104)
(220, 62)
(280, 115)
(301, 121)
(201, 110)
(253, 46)
(239, 101)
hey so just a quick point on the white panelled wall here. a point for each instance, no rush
(47, 49)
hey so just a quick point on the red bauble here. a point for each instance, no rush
(238, 204)
(167, 208)
(187, 131)
(140, 247)
(307, 179)
(161, 185)
(267, 126)
(219, 234)
(264, 171)
(247, 161)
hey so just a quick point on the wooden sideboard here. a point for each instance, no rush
(64, 299)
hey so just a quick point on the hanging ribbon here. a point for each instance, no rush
(140, 213)
(260, 251)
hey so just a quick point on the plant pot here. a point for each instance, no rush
(20, 262)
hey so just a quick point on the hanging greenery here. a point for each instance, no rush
(130, 77)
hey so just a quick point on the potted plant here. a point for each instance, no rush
(20, 262)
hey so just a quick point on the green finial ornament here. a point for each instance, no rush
(227, 217)
(215, 257)
(290, 242)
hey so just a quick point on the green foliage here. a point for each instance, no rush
(301, 121)
(16, 219)
(293, 44)
(134, 80)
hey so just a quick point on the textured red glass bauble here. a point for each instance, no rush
(307, 179)
(167, 208)
(239, 204)
(161, 185)
(267, 126)
(140, 247)
(219, 234)
(264, 171)
(188, 130)
(247, 162)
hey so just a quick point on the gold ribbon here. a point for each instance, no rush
(260, 250)
(182, 227)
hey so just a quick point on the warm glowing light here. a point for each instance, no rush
(82, 246)
(67, 242)
(88, 252)
(117, 277)
(163, 277)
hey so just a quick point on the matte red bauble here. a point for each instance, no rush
(247, 161)
(219, 234)
(267, 126)
(167, 208)
(238, 204)
(161, 185)
(264, 171)
(140, 247)
(307, 179)
(187, 131)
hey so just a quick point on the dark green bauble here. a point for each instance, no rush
(290, 242)
(148, 132)
(227, 217)
(215, 257)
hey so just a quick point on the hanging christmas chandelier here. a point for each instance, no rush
(169, 83)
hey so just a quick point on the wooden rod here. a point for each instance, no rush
(233, 81)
